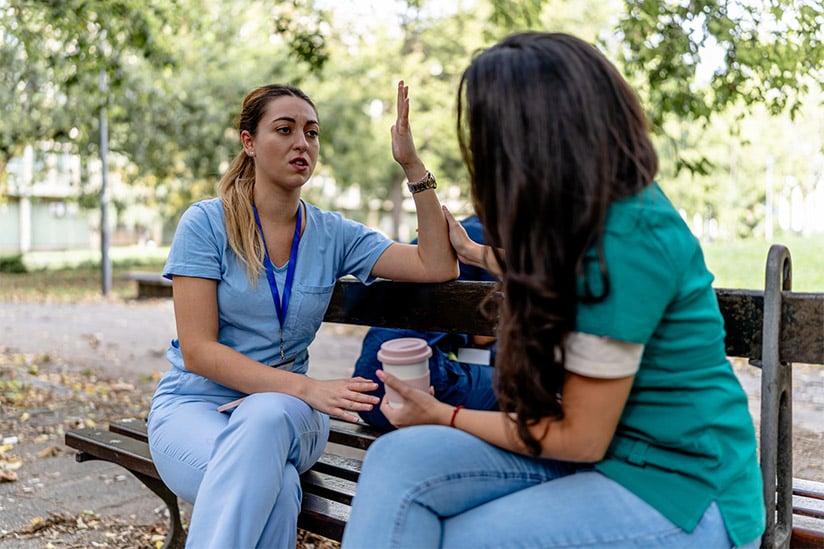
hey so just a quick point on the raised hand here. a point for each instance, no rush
(403, 146)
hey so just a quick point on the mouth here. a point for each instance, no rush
(299, 164)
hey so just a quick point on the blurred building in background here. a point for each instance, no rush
(51, 203)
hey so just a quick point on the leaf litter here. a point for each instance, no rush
(41, 399)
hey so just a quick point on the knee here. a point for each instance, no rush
(407, 449)
(268, 413)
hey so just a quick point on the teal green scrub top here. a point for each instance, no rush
(685, 438)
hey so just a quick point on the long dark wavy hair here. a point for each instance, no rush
(551, 134)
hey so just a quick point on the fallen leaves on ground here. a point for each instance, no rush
(89, 529)
(41, 399)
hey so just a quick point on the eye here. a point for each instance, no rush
(313, 133)
(284, 130)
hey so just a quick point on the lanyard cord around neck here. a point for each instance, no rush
(280, 308)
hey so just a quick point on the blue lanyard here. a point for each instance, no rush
(280, 308)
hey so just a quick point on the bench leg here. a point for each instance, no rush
(776, 407)
(176, 537)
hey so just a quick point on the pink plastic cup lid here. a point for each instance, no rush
(404, 350)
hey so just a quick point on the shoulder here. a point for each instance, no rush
(204, 216)
(649, 224)
(211, 208)
(321, 216)
(333, 222)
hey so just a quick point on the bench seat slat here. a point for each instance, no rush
(355, 435)
(328, 486)
(809, 506)
(803, 536)
(97, 443)
(808, 488)
(322, 516)
(339, 466)
(135, 428)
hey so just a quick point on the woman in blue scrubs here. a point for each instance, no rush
(252, 272)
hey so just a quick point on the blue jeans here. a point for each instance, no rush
(432, 486)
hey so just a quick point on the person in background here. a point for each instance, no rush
(236, 419)
(460, 368)
(622, 423)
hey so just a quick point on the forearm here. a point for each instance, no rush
(557, 440)
(434, 249)
(232, 369)
(482, 256)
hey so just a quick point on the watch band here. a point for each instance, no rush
(428, 182)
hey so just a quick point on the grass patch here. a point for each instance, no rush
(76, 275)
(68, 284)
(742, 263)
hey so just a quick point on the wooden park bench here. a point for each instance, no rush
(150, 284)
(772, 328)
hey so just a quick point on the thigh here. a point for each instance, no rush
(278, 424)
(448, 470)
(182, 436)
(585, 509)
(414, 478)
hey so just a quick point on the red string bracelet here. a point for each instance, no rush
(454, 415)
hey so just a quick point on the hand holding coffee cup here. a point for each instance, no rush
(406, 358)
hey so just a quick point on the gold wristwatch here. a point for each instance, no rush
(428, 182)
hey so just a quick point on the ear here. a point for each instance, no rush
(247, 141)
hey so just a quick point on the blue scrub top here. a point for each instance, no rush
(331, 247)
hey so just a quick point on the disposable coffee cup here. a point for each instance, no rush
(406, 358)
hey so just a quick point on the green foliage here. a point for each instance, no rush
(12, 264)
(302, 27)
(53, 54)
(176, 73)
(767, 52)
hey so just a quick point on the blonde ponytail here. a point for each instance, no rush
(236, 191)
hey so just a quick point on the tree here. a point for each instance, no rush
(766, 52)
(53, 53)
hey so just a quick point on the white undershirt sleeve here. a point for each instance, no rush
(601, 357)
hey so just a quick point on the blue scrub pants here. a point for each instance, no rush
(433, 486)
(240, 469)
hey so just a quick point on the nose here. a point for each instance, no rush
(301, 143)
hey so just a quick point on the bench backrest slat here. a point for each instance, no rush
(448, 307)
(456, 307)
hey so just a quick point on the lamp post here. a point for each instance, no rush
(105, 260)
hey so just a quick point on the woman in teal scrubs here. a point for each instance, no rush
(622, 423)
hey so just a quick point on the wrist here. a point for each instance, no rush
(475, 255)
(303, 387)
(425, 183)
(414, 171)
(454, 415)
